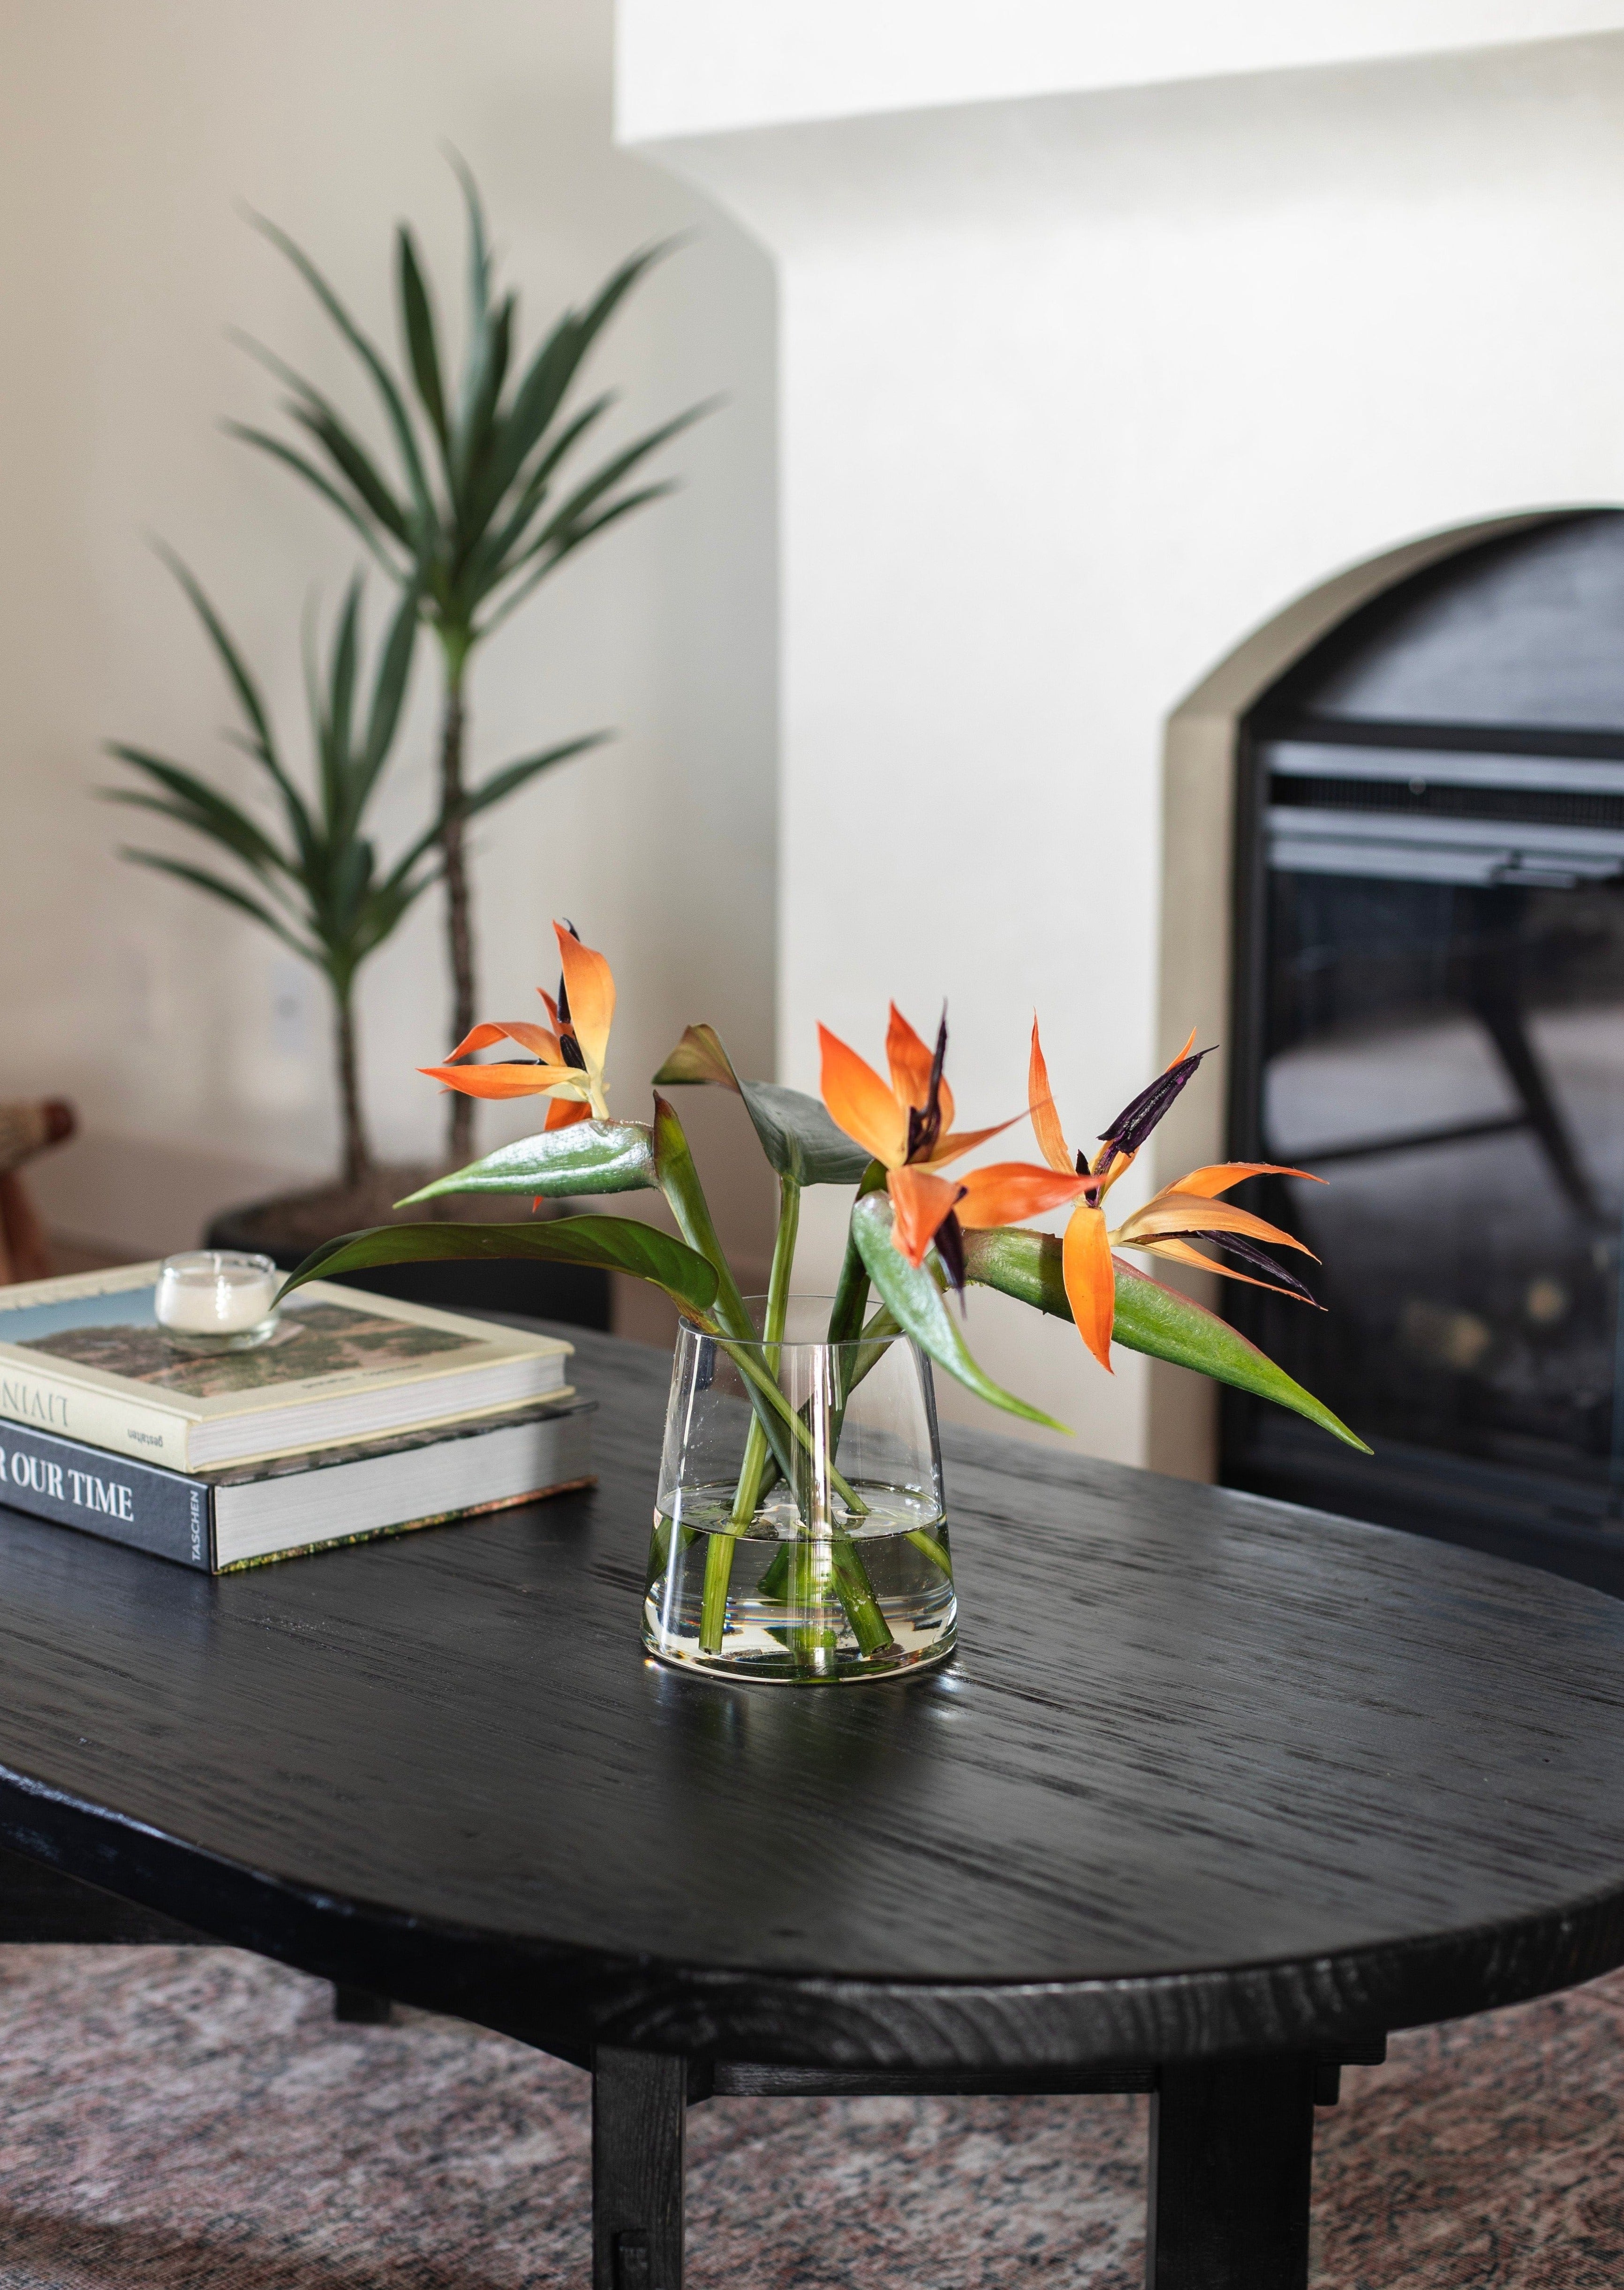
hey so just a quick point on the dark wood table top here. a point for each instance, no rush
(1209, 1773)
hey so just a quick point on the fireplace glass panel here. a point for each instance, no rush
(1430, 1017)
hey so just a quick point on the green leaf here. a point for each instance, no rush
(851, 1300)
(1151, 1317)
(588, 1157)
(201, 879)
(679, 1181)
(612, 1243)
(315, 479)
(247, 691)
(393, 403)
(924, 1311)
(198, 806)
(417, 316)
(798, 1137)
(388, 693)
(353, 462)
(797, 1134)
(513, 776)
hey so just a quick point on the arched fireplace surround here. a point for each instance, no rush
(1395, 854)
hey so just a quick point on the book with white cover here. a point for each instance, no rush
(87, 1357)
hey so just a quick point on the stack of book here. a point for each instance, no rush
(361, 1416)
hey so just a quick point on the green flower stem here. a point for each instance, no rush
(852, 1289)
(933, 1550)
(719, 1556)
(679, 1181)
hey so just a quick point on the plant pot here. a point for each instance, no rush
(289, 1226)
(799, 1533)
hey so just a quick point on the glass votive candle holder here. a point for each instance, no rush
(217, 1299)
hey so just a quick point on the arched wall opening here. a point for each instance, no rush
(1395, 891)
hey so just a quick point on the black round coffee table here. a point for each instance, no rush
(1216, 1793)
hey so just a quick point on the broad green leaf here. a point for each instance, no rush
(924, 1311)
(797, 1134)
(850, 1302)
(588, 1157)
(798, 1137)
(679, 1181)
(612, 1243)
(1151, 1317)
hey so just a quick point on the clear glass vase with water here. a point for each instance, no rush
(799, 1533)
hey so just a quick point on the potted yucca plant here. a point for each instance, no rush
(481, 498)
(310, 873)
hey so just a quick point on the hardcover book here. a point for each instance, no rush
(220, 1520)
(87, 1357)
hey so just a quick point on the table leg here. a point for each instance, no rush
(1231, 2160)
(639, 2103)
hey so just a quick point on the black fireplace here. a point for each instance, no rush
(1429, 1014)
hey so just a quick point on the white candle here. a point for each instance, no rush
(212, 1292)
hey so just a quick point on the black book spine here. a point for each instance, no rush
(114, 1496)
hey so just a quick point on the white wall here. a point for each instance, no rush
(1075, 391)
(128, 135)
(706, 65)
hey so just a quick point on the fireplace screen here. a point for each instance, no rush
(1430, 1017)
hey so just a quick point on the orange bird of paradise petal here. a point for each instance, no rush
(1091, 1281)
(589, 985)
(581, 1019)
(869, 1109)
(1169, 1225)
(921, 1205)
(905, 1125)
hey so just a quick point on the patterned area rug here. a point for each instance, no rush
(194, 2119)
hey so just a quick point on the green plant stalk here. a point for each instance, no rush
(719, 1556)
(459, 919)
(679, 1181)
(851, 1288)
(777, 1581)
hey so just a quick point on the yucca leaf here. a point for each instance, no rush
(612, 1243)
(201, 879)
(417, 323)
(342, 696)
(247, 690)
(479, 259)
(486, 564)
(400, 421)
(919, 1307)
(545, 382)
(1151, 1317)
(205, 809)
(516, 775)
(351, 459)
(515, 598)
(474, 438)
(318, 483)
(571, 512)
(389, 693)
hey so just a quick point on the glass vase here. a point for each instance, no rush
(799, 1536)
